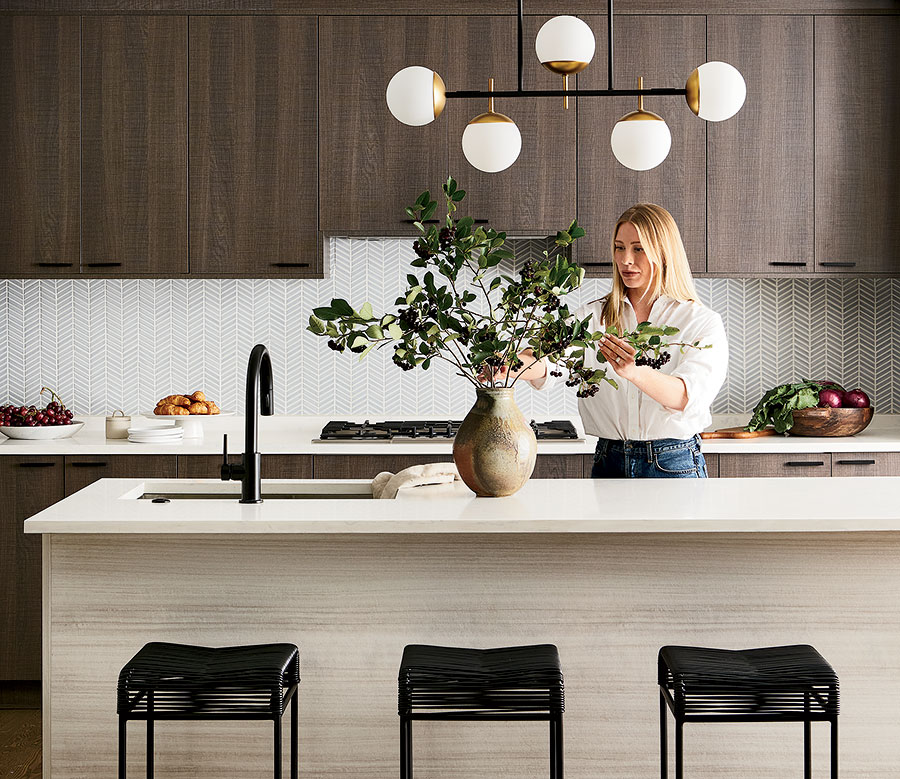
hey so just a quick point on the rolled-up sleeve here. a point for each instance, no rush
(703, 370)
(546, 381)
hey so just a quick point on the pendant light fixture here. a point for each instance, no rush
(640, 140)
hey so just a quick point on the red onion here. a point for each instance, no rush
(855, 399)
(831, 398)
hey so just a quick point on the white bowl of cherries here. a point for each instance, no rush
(39, 424)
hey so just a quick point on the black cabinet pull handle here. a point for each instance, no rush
(838, 264)
(54, 264)
(423, 221)
(102, 264)
(480, 221)
(856, 462)
(803, 464)
(789, 264)
(88, 465)
(289, 264)
(36, 465)
(598, 264)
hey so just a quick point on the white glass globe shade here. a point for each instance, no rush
(491, 145)
(716, 91)
(415, 95)
(641, 144)
(565, 39)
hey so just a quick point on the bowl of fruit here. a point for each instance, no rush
(839, 412)
(39, 424)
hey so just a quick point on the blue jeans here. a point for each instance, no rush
(664, 458)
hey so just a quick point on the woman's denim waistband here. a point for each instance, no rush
(649, 447)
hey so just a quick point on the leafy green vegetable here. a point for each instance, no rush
(776, 406)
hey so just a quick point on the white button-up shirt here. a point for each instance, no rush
(628, 413)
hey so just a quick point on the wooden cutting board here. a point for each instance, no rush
(737, 432)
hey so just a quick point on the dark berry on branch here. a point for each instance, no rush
(421, 249)
(358, 349)
(446, 236)
(556, 374)
(335, 345)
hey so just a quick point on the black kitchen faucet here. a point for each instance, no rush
(259, 400)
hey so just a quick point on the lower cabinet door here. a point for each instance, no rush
(712, 465)
(27, 485)
(274, 466)
(367, 466)
(865, 464)
(86, 469)
(755, 465)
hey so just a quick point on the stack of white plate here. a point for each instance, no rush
(156, 434)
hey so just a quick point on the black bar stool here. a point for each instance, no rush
(181, 682)
(449, 683)
(774, 684)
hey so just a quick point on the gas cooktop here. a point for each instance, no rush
(432, 430)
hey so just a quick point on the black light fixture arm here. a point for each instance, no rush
(608, 92)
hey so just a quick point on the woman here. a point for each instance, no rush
(650, 425)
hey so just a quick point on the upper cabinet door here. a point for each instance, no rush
(253, 160)
(536, 194)
(372, 167)
(664, 50)
(39, 156)
(857, 153)
(761, 160)
(134, 145)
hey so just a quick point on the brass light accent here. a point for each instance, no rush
(692, 91)
(440, 94)
(490, 115)
(565, 68)
(641, 114)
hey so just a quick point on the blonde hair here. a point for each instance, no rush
(670, 273)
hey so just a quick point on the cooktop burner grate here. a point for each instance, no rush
(558, 430)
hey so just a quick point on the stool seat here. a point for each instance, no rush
(509, 680)
(782, 682)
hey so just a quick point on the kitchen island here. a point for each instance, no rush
(608, 571)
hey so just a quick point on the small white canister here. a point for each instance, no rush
(117, 426)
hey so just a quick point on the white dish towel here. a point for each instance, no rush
(386, 484)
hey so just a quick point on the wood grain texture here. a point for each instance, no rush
(755, 465)
(253, 146)
(857, 157)
(351, 604)
(39, 145)
(365, 466)
(82, 470)
(134, 145)
(274, 466)
(536, 195)
(664, 50)
(27, 485)
(865, 464)
(20, 743)
(830, 421)
(760, 165)
(371, 166)
(712, 465)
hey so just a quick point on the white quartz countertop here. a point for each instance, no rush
(296, 434)
(542, 506)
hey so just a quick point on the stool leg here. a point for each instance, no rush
(834, 748)
(807, 751)
(663, 739)
(406, 767)
(559, 747)
(679, 749)
(552, 747)
(122, 751)
(294, 705)
(277, 755)
(150, 743)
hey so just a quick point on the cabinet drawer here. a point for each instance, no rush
(274, 466)
(86, 469)
(754, 465)
(866, 464)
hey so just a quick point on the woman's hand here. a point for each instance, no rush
(619, 354)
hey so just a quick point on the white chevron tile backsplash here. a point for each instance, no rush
(106, 344)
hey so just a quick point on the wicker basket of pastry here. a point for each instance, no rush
(194, 404)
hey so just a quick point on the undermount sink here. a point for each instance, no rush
(305, 489)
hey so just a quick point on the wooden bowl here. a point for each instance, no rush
(831, 421)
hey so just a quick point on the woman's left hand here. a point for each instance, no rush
(619, 354)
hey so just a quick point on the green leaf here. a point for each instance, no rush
(341, 307)
(670, 331)
(365, 310)
(325, 313)
(316, 325)
(413, 294)
(458, 195)
(365, 351)
(374, 332)
(358, 341)
(395, 331)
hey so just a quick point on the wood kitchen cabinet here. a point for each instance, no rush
(756, 465)
(372, 166)
(39, 137)
(865, 464)
(857, 157)
(134, 145)
(664, 50)
(253, 146)
(536, 195)
(83, 470)
(760, 163)
(367, 466)
(274, 466)
(28, 484)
